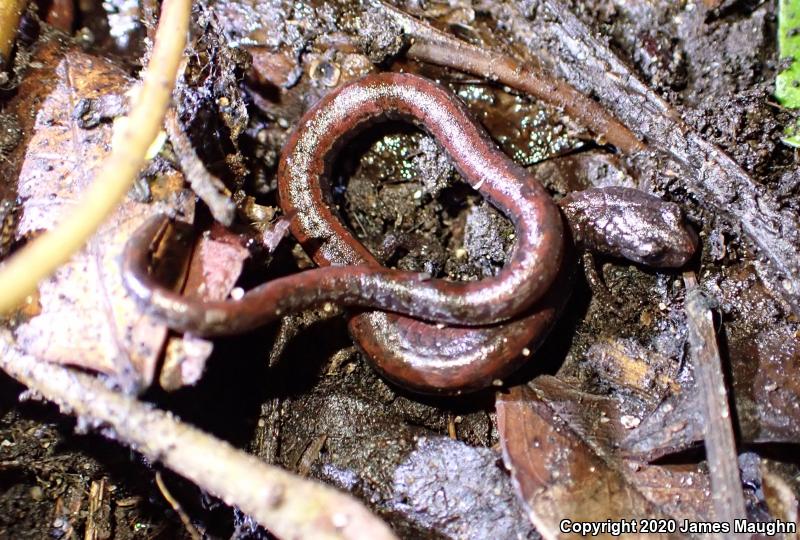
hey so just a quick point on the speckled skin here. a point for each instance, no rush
(407, 340)
(329, 125)
(630, 224)
(421, 355)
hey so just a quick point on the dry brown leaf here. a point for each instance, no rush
(86, 317)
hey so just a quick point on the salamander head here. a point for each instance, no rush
(663, 239)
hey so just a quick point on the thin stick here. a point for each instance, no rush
(290, 507)
(42, 256)
(208, 187)
(436, 47)
(723, 463)
(176, 506)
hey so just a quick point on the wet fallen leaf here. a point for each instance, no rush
(216, 264)
(277, 68)
(563, 466)
(86, 317)
(626, 364)
(593, 417)
(764, 367)
(775, 386)
(676, 425)
(682, 491)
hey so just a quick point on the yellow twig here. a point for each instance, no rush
(10, 13)
(42, 256)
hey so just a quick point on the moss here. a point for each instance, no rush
(787, 84)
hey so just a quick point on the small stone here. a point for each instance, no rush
(36, 493)
(628, 421)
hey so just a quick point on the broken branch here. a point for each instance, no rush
(436, 47)
(288, 506)
(723, 463)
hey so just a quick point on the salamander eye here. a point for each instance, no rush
(650, 254)
(653, 259)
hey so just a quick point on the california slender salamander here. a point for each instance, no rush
(301, 174)
(406, 339)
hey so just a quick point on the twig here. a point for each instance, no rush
(436, 47)
(288, 506)
(43, 255)
(723, 463)
(702, 168)
(451, 427)
(208, 187)
(97, 525)
(10, 13)
(176, 506)
(311, 454)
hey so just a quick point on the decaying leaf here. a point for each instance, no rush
(216, 264)
(276, 68)
(86, 317)
(565, 469)
(775, 386)
(765, 365)
(682, 491)
(677, 424)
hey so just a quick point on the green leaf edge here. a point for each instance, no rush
(787, 83)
